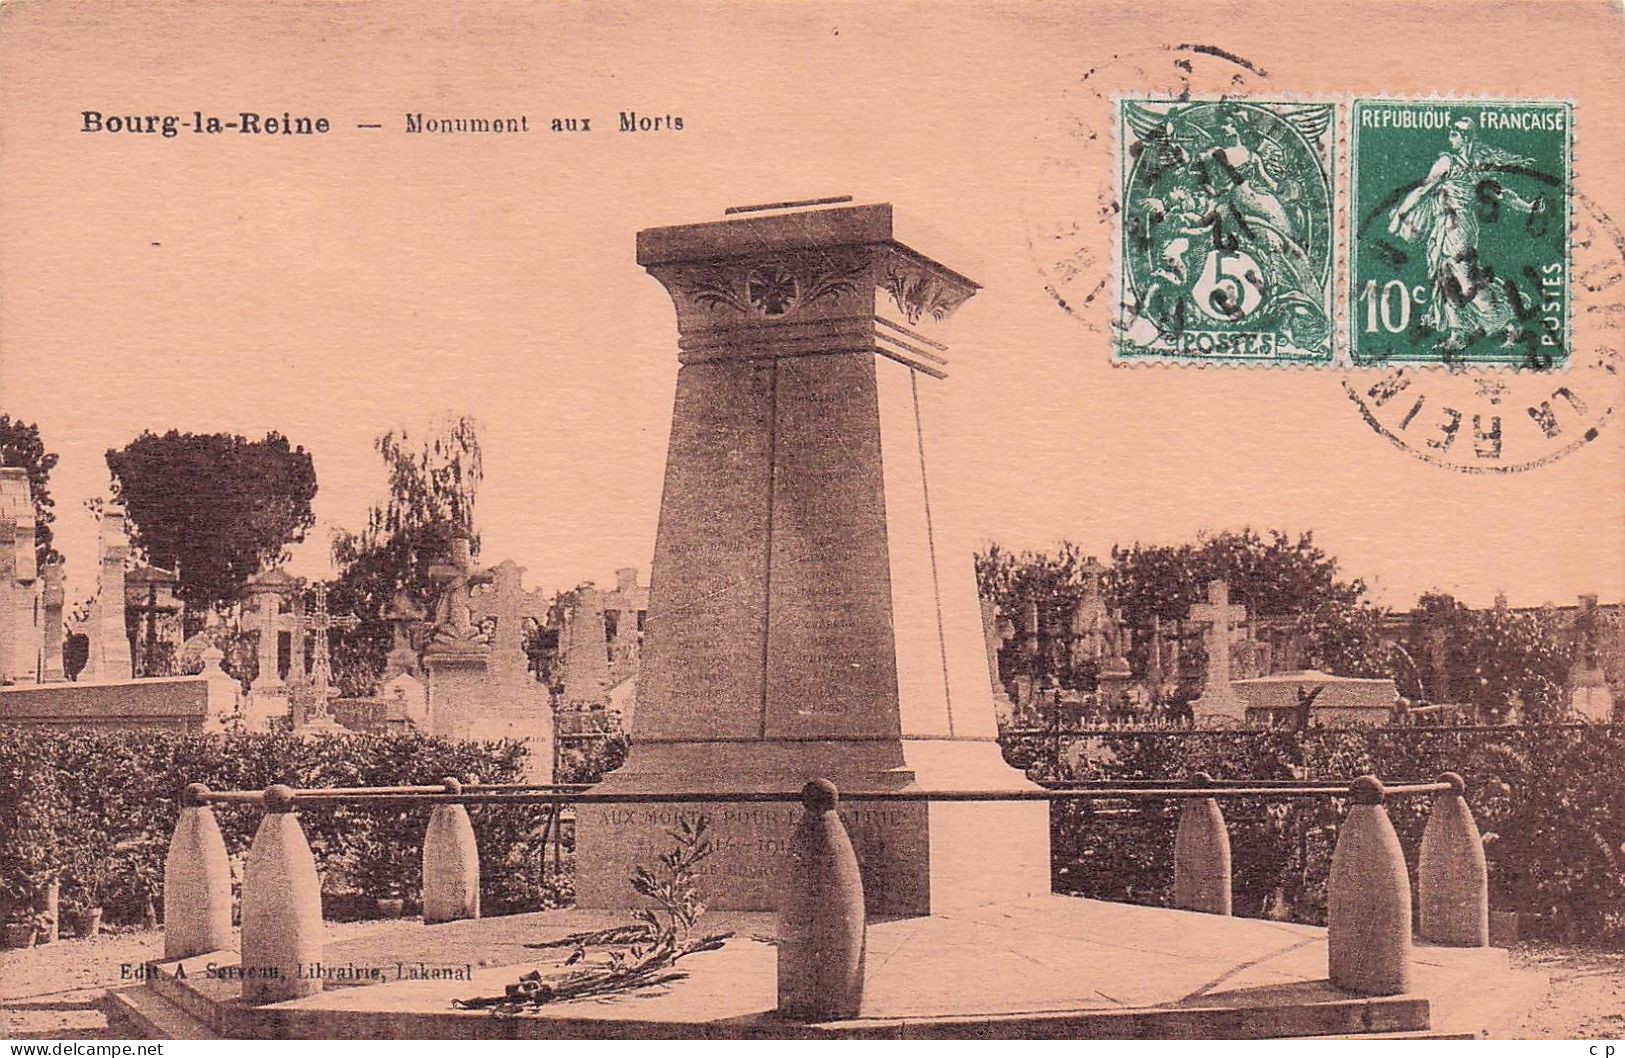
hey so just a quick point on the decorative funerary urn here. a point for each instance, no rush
(806, 617)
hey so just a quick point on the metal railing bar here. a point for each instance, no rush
(438, 795)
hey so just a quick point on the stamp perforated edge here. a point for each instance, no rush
(1344, 347)
(1310, 361)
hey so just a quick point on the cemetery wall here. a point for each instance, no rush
(176, 703)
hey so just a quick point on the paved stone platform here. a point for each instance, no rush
(1042, 967)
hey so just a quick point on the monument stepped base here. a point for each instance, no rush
(917, 858)
(1048, 966)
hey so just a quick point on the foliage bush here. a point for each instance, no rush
(96, 810)
(1549, 800)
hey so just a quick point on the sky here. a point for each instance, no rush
(335, 287)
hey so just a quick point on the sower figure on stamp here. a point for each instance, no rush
(1467, 302)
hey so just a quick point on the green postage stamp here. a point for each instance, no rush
(1227, 236)
(1458, 234)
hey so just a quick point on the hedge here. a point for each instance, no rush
(95, 812)
(1549, 800)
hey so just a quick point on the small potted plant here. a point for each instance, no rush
(47, 904)
(45, 926)
(393, 906)
(90, 876)
(87, 920)
(19, 925)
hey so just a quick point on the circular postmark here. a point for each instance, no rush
(1476, 419)
(1075, 195)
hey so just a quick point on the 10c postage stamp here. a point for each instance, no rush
(1227, 230)
(1458, 242)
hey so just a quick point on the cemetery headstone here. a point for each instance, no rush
(479, 686)
(404, 615)
(1589, 695)
(149, 595)
(109, 638)
(53, 598)
(586, 653)
(267, 594)
(1218, 704)
(21, 639)
(456, 657)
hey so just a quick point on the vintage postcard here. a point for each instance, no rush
(828, 521)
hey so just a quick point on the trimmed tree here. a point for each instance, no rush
(220, 505)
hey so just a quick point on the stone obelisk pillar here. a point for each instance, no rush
(109, 639)
(52, 599)
(806, 617)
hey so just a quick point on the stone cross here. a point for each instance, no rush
(268, 590)
(1220, 616)
(320, 624)
(506, 601)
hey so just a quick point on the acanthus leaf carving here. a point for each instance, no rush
(775, 287)
(919, 292)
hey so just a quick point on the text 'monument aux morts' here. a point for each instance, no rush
(253, 123)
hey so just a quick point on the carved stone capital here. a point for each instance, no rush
(920, 288)
(787, 286)
(804, 284)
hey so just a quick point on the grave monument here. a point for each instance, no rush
(109, 639)
(22, 637)
(480, 686)
(808, 615)
(586, 654)
(53, 597)
(1589, 695)
(266, 594)
(1219, 704)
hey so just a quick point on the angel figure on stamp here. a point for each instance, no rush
(1467, 302)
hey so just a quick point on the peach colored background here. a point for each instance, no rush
(334, 287)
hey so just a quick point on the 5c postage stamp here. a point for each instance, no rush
(1458, 236)
(1227, 234)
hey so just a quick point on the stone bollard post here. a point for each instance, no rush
(1202, 857)
(451, 863)
(1368, 920)
(282, 907)
(197, 881)
(822, 930)
(1452, 879)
